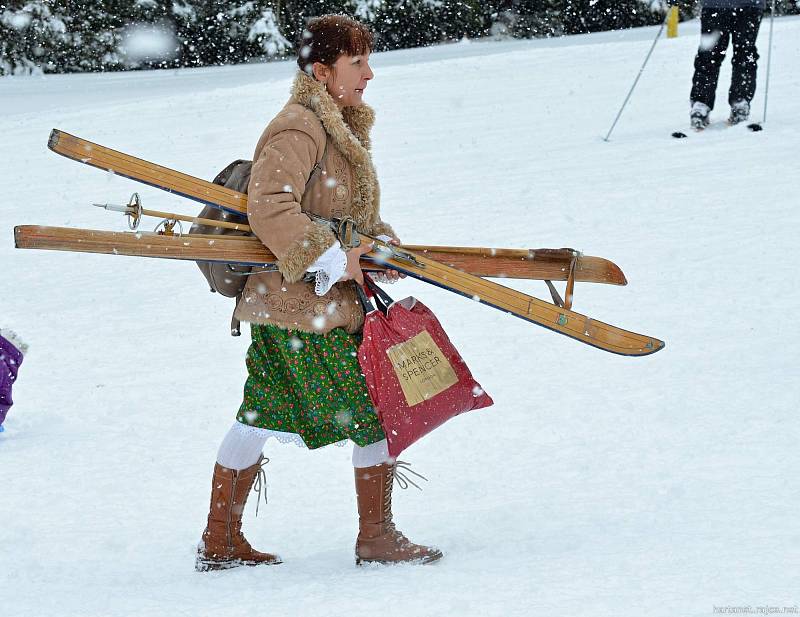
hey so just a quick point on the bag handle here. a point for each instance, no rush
(382, 299)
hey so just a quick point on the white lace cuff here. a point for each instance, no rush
(245, 437)
(329, 268)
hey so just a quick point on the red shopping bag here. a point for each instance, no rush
(415, 377)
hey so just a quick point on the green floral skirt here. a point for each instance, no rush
(308, 384)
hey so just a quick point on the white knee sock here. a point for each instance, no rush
(242, 446)
(371, 455)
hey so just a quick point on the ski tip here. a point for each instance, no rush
(679, 135)
(755, 127)
(653, 346)
(22, 236)
(52, 142)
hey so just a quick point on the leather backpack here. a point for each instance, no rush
(229, 279)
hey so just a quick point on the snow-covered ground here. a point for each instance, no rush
(597, 485)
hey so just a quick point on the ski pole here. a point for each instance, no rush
(175, 217)
(636, 81)
(134, 212)
(769, 59)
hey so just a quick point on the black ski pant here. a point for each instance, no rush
(717, 27)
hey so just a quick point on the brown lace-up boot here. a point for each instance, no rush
(224, 546)
(378, 539)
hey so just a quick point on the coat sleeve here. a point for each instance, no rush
(277, 183)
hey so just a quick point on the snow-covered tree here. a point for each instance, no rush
(102, 35)
(596, 15)
(524, 18)
(365, 10)
(267, 34)
(414, 23)
(32, 35)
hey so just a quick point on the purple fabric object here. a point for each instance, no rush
(10, 359)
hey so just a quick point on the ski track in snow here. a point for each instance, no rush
(597, 485)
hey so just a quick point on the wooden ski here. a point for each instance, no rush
(558, 319)
(539, 264)
(536, 264)
(193, 247)
(169, 180)
(415, 264)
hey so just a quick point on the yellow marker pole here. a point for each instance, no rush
(672, 22)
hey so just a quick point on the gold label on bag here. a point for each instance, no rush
(421, 367)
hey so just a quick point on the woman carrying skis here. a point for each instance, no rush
(304, 382)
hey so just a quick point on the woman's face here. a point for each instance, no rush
(347, 81)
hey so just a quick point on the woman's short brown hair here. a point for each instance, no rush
(326, 38)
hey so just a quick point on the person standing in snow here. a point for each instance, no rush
(721, 21)
(12, 350)
(304, 382)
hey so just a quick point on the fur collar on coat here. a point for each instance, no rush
(348, 129)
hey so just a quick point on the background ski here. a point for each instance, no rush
(541, 264)
(753, 127)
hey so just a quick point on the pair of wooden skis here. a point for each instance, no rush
(457, 269)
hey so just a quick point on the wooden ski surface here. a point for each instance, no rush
(580, 327)
(584, 329)
(224, 249)
(122, 164)
(537, 264)
(542, 264)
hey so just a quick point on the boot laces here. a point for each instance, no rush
(398, 472)
(260, 483)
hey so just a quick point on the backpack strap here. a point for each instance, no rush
(236, 325)
(317, 166)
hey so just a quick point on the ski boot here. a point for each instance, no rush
(740, 111)
(698, 116)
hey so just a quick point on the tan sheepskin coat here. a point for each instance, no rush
(313, 157)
